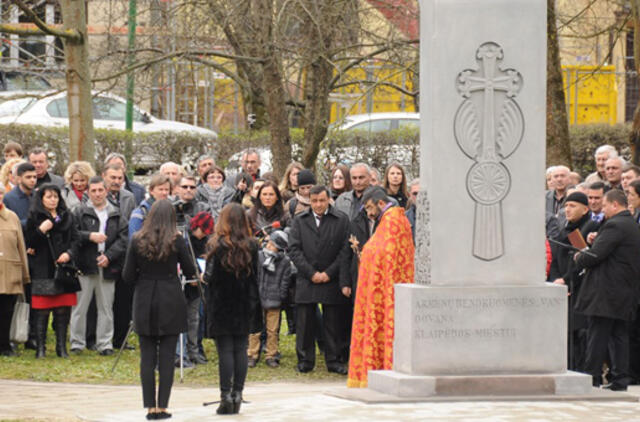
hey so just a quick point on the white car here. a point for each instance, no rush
(379, 122)
(108, 113)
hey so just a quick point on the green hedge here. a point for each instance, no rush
(376, 149)
(585, 139)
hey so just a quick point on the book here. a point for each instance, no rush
(576, 239)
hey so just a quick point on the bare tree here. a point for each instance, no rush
(558, 143)
(78, 78)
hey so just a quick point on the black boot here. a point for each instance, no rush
(61, 321)
(41, 318)
(236, 397)
(226, 404)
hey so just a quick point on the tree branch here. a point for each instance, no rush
(68, 34)
(182, 53)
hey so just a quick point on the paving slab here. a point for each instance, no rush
(285, 401)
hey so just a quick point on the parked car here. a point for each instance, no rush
(108, 113)
(379, 122)
(21, 80)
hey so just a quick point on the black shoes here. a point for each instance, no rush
(152, 416)
(614, 387)
(105, 352)
(236, 397)
(338, 369)
(226, 404)
(252, 362)
(272, 363)
(302, 368)
(198, 359)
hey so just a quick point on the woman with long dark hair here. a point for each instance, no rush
(340, 181)
(268, 207)
(159, 309)
(233, 306)
(395, 183)
(49, 233)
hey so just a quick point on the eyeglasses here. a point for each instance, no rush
(187, 187)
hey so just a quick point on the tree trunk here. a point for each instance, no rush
(635, 125)
(81, 140)
(558, 143)
(278, 119)
(317, 109)
(254, 101)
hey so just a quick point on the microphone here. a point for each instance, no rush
(268, 228)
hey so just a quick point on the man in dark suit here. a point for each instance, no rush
(563, 271)
(608, 295)
(319, 247)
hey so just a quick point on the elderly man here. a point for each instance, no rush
(251, 162)
(609, 294)
(205, 162)
(350, 202)
(603, 153)
(38, 157)
(114, 178)
(174, 172)
(555, 197)
(613, 172)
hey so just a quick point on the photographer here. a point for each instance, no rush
(200, 228)
(100, 251)
(187, 208)
(187, 205)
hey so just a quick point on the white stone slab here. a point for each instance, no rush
(483, 85)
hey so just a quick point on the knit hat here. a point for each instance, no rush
(280, 239)
(579, 197)
(306, 177)
(203, 221)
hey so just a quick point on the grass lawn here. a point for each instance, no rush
(90, 367)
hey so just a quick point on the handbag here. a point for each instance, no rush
(66, 274)
(19, 331)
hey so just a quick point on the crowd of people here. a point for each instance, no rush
(593, 247)
(214, 254)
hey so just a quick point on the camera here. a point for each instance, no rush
(181, 218)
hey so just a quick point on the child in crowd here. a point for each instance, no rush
(274, 275)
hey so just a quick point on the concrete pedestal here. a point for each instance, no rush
(480, 341)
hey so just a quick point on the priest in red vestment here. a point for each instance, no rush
(386, 259)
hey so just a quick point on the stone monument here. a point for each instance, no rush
(480, 319)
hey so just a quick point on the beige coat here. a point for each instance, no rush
(14, 269)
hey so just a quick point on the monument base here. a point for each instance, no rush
(420, 386)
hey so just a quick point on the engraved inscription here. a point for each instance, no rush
(447, 319)
(488, 128)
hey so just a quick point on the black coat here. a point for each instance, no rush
(562, 265)
(233, 304)
(610, 287)
(320, 249)
(159, 306)
(359, 227)
(62, 235)
(86, 251)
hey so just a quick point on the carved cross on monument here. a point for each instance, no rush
(488, 127)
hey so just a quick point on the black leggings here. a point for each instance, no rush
(232, 361)
(160, 350)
